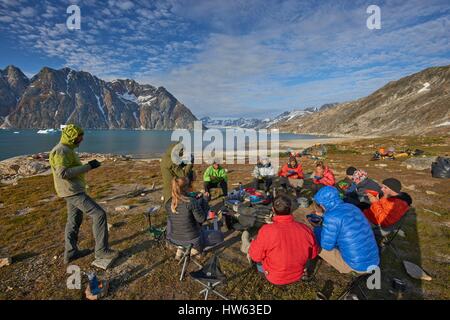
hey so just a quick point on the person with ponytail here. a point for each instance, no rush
(186, 216)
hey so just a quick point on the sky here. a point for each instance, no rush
(248, 58)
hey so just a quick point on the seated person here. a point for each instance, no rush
(347, 185)
(364, 186)
(292, 174)
(215, 177)
(391, 207)
(323, 176)
(185, 218)
(345, 236)
(263, 173)
(283, 248)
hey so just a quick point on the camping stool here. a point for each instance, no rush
(357, 279)
(386, 236)
(186, 258)
(210, 276)
(155, 232)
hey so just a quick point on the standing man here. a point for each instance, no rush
(68, 176)
(172, 166)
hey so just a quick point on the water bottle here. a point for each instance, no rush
(93, 283)
(241, 190)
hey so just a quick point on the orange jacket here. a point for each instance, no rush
(293, 173)
(386, 211)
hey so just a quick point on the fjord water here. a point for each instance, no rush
(138, 143)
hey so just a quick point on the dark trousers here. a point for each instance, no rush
(316, 187)
(208, 185)
(267, 181)
(76, 206)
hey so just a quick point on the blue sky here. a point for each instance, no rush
(233, 58)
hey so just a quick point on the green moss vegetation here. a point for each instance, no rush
(147, 270)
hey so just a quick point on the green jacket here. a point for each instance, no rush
(170, 170)
(68, 171)
(214, 175)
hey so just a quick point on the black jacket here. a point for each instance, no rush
(184, 225)
(359, 197)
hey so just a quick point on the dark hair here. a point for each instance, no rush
(282, 205)
(320, 164)
(350, 171)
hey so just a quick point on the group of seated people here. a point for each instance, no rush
(342, 234)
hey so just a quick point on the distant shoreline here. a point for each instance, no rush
(284, 144)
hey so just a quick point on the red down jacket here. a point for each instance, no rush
(283, 248)
(292, 173)
(327, 179)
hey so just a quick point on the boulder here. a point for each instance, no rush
(419, 163)
(415, 271)
(32, 168)
(5, 262)
(122, 208)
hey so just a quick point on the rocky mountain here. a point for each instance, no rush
(232, 123)
(265, 123)
(12, 85)
(413, 105)
(287, 116)
(55, 97)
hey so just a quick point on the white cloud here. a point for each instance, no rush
(6, 19)
(125, 5)
(232, 58)
(27, 12)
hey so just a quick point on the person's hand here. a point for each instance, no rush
(206, 194)
(372, 198)
(94, 163)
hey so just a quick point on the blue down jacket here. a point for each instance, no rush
(346, 228)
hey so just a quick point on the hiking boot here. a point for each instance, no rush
(306, 277)
(245, 241)
(76, 255)
(107, 255)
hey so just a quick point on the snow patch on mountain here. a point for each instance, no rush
(443, 124)
(100, 107)
(128, 96)
(426, 88)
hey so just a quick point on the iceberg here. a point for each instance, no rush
(47, 131)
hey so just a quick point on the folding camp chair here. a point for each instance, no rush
(385, 236)
(185, 258)
(355, 283)
(156, 233)
(210, 276)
